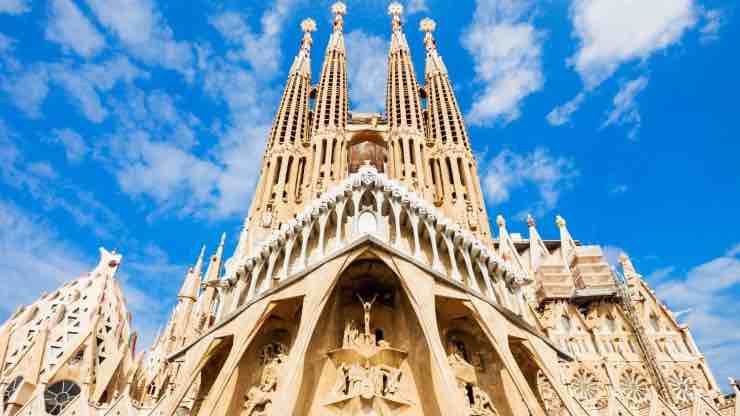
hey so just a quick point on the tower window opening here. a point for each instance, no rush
(449, 171)
(276, 174)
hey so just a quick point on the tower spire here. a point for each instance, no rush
(191, 285)
(282, 177)
(403, 105)
(453, 168)
(332, 109)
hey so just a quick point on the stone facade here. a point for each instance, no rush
(367, 281)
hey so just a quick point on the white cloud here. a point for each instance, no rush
(507, 50)
(619, 189)
(72, 30)
(27, 90)
(74, 145)
(143, 31)
(611, 32)
(14, 6)
(561, 115)
(417, 6)
(367, 63)
(626, 110)
(713, 20)
(261, 50)
(708, 292)
(509, 171)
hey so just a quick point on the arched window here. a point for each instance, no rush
(59, 395)
(10, 390)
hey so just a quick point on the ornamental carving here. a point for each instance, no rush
(635, 388)
(554, 405)
(258, 401)
(683, 386)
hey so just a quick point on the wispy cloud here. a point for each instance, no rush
(23, 270)
(508, 69)
(74, 145)
(713, 20)
(41, 182)
(626, 110)
(548, 175)
(14, 6)
(417, 6)
(619, 189)
(561, 115)
(72, 30)
(144, 33)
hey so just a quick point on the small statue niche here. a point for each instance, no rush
(465, 363)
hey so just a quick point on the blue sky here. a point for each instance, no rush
(138, 125)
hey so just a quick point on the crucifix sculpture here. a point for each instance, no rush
(366, 306)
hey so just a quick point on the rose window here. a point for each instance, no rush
(635, 388)
(11, 389)
(682, 385)
(59, 395)
(586, 386)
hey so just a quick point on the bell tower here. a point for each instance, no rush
(328, 148)
(403, 105)
(284, 166)
(454, 175)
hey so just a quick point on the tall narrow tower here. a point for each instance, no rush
(283, 173)
(331, 113)
(403, 105)
(455, 181)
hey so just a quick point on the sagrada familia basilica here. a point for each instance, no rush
(367, 280)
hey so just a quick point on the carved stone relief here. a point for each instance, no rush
(258, 401)
(554, 405)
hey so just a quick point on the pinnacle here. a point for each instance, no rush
(427, 25)
(308, 25)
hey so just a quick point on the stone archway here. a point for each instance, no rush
(368, 352)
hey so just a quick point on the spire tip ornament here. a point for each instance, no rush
(308, 25)
(395, 9)
(339, 8)
(530, 220)
(427, 25)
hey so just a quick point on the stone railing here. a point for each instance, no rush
(368, 203)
